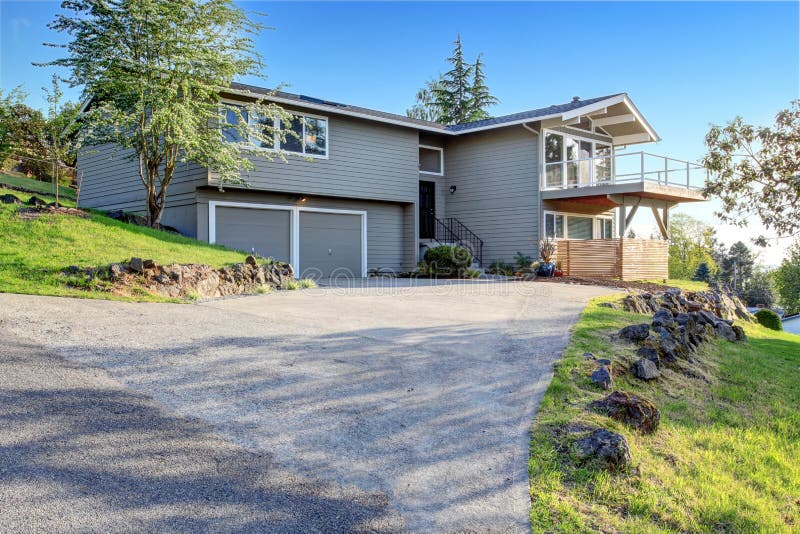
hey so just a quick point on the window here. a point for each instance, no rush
(431, 160)
(306, 134)
(571, 161)
(573, 226)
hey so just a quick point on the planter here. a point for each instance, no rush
(547, 269)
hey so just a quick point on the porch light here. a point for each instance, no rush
(452, 189)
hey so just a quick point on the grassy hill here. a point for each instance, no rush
(16, 180)
(34, 252)
(726, 457)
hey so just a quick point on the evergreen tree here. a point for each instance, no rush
(426, 107)
(703, 273)
(480, 97)
(737, 266)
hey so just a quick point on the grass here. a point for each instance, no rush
(30, 184)
(726, 457)
(686, 285)
(33, 253)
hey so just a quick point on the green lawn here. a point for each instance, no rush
(726, 457)
(33, 253)
(46, 188)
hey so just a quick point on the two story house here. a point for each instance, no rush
(373, 188)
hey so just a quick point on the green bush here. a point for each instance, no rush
(769, 318)
(501, 268)
(447, 260)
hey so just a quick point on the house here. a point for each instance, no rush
(373, 189)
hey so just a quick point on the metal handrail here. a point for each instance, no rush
(451, 230)
(644, 173)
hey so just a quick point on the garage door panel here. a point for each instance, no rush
(330, 244)
(266, 231)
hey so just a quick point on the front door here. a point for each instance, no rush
(427, 210)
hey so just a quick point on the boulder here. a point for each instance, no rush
(10, 199)
(603, 361)
(602, 377)
(651, 354)
(664, 318)
(725, 331)
(137, 265)
(36, 201)
(635, 332)
(149, 264)
(603, 448)
(633, 410)
(251, 260)
(645, 369)
(740, 335)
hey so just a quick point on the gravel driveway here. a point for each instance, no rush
(423, 394)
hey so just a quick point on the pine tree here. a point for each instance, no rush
(703, 273)
(480, 97)
(454, 93)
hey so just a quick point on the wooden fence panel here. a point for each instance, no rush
(628, 259)
(645, 259)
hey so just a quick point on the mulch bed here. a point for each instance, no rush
(30, 213)
(607, 282)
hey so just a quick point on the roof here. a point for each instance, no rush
(592, 105)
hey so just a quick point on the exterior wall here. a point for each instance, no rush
(497, 196)
(389, 245)
(366, 160)
(110, 181)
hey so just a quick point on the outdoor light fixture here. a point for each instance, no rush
(452, 189)
(302, 199)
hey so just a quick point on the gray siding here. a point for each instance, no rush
(110, 181)
(388, 238)
(497, 196)
(366, 160)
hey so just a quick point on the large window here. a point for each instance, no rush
(306, 134)
(431, 160)
(571, 161)
(573, 226)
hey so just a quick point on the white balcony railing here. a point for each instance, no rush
(625, 168)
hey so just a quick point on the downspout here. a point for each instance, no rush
(539, 217)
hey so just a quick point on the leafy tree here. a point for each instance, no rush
(631, 234)
(759, 290)
(156, 71)
(702, 273)
(59, 139)
(690, 244)
(480, 97)
(755, 171)
(737, 266)
(460, 95)
(787, 281)
(10, 106)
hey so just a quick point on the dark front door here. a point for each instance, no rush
(427, 210)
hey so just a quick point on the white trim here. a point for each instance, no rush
(294, 226)
(614, 119)
(441, 160)
(567, 214)
(632, 139)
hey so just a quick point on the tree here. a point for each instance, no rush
(10, 106)
(690, 243)
(460, 95)
(702, 273)
(155, 72)
(480, 97)
(756, 172)
(737, 266)
(787, 281)
(59, 139)
(758, 290)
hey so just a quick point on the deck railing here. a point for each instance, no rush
(625, 168)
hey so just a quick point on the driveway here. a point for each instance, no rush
(420, 394)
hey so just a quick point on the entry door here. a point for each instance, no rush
(427, 210)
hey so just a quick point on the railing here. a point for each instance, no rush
(451, 230)
(625, 168)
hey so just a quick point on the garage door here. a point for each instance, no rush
(265, 231)
(330, 244)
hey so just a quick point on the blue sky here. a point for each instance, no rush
(685, 65)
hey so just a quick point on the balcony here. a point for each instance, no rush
(639, 174)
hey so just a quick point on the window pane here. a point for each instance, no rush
(608, 228)
(554, 175)
(316, 136)
(560, 226)
(586, 149)
(267, 133)
(553, 148)
(585, 172)
(293, 142)
(572, 173)
(602, 150)
(602, 169)
(549, 225)
(572, 148)
(430, 160)
(232, 135)
(579, 227)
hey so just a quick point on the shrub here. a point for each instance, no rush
(306, 283)
(447, 260)
(472, 273)
(523, 261)
(501, 268)
(769, 318)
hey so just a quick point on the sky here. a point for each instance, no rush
(685, 65)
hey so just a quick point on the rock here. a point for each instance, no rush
(633, 410)
(646, 369)
(602, 377)
(149, 264)
(635, 332)
(725, 331)
(10, 199)
(116, 271)
(603, 361)
(664, 318)
(588, 355)
(649, 354)
(251, 260)
(137, 265)
(691, 305)
(740, 335)
(603, 448)
(36, 201)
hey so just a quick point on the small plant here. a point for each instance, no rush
(290, 285)
(769, 319)
(523, 261)
(500, 268)
(306, 283)
(472, 273)
(447, 260)
(192, 296)
(547, 249)
(260, 290)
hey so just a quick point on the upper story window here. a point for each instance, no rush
(431, 160)
(309, 133)
(571, 161)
